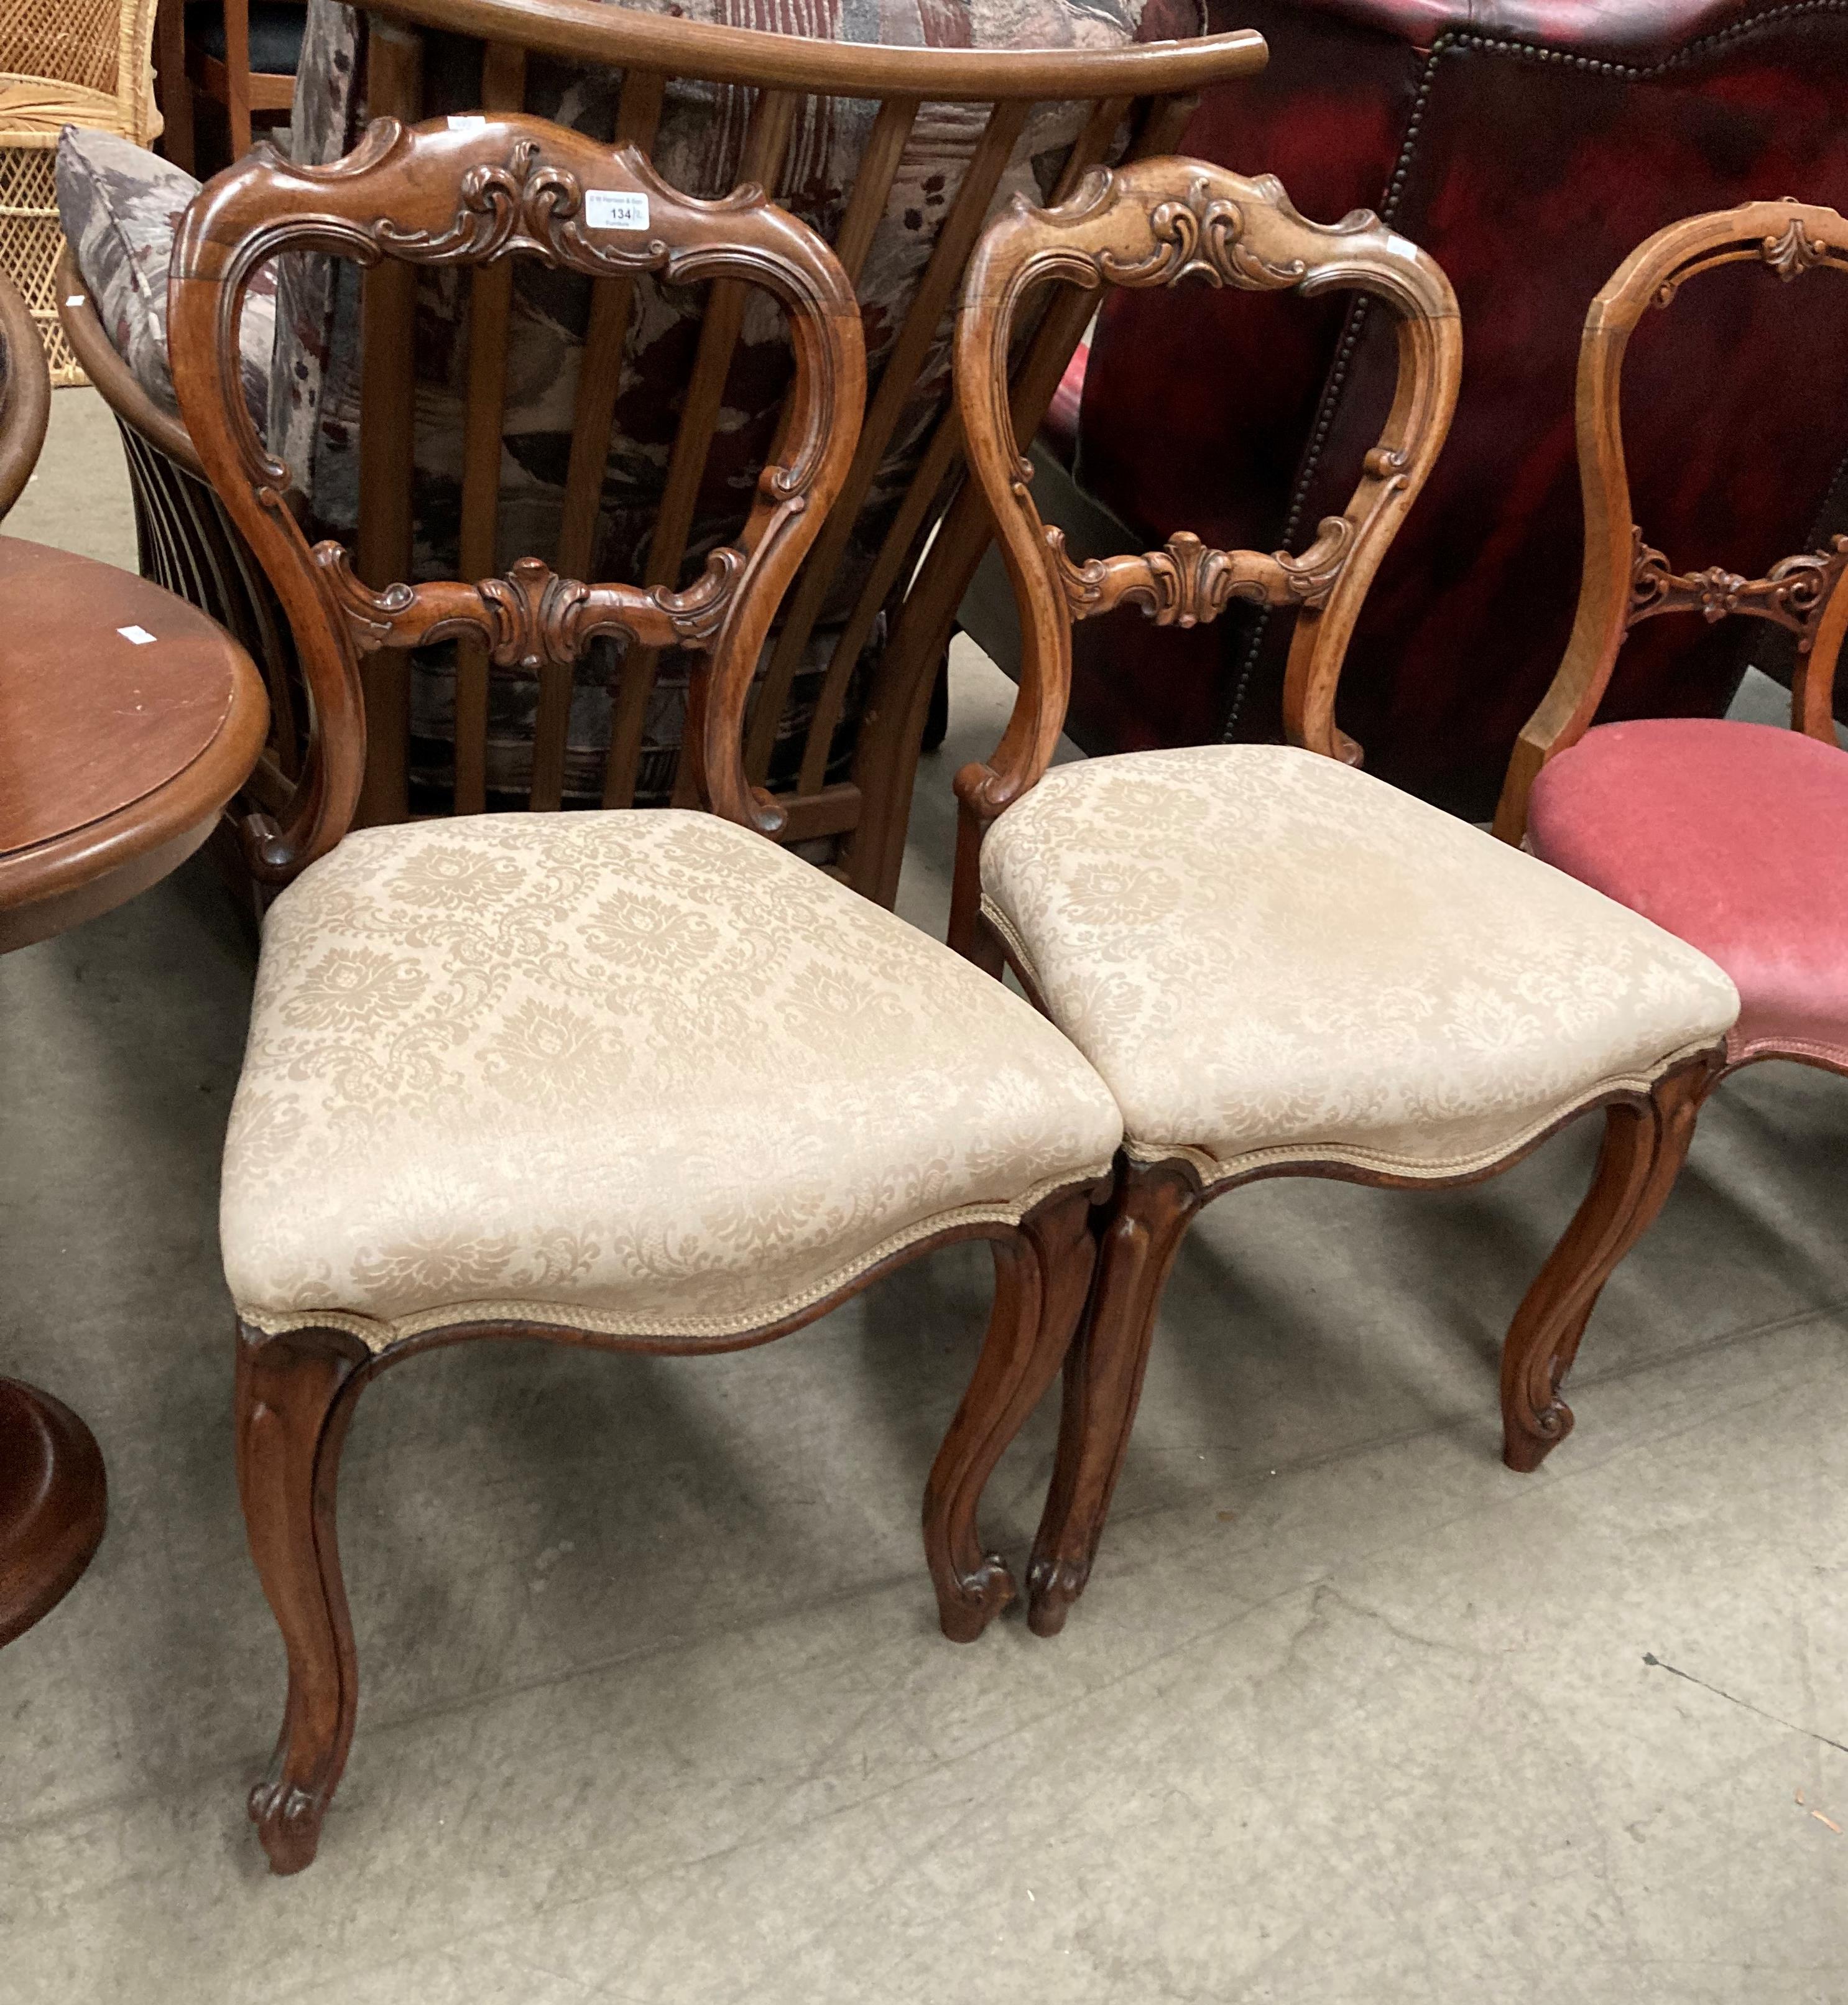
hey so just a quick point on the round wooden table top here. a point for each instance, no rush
(128, 720)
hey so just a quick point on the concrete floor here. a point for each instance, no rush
(654, 1708)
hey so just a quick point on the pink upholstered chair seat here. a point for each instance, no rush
(1734, 836)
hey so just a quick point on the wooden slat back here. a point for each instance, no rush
(897, 380)
(1092, 144)
(899, 687)
(765, 146)
(387, 450)
(600, 368)
(638, 115)
(491, 300)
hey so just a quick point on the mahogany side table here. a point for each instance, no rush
(128, 720)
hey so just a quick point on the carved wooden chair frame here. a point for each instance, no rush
(1156, 222)
(474, 195)
(1625, 580)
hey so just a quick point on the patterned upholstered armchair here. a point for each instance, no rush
(1528, 147)
(442, 423)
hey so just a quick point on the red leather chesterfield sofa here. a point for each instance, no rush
(1529, 147)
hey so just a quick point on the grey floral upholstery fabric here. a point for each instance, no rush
(1268, 955)
(315, 396)
(636, 1072)
(119, 205)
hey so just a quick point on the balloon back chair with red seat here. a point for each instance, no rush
(1281, 965)
(1731, 835)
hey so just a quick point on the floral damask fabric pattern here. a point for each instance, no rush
(642, 1071)
(1268, 954)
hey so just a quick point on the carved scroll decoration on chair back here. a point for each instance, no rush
(1624, 579)
(473, 195)
(1157, 223)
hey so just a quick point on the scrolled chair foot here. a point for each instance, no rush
(288, 1820)
(1528, 1438)
(973, 1600)
(1052, 1587)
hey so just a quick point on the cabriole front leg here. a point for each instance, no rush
(1148, 1216)
(1646, 1142)
(1042, 1275)
(295, 1395)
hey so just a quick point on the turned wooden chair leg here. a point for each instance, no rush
(295, 1395)
(1149, 1218)
(1041, 1278)
(1645, 1145)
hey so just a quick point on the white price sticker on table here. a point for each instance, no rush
(605, 209)
(138, 635)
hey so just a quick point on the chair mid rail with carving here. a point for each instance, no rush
(636, 1078)
(1722, 831)
(1279, 965)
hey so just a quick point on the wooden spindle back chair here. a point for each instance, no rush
(472, 193)
(857, 816)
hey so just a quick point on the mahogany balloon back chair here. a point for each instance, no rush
(1279, 965)
(841, 699)
(1731, 835)
(635, 1078)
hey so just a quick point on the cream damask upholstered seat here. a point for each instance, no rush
(641, 1072)
(1267, 953)
(1279, 965)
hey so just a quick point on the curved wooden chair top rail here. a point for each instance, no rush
(1624, 579)
(1157, 223)
(586, 31)
(25, 394)
(474, 194)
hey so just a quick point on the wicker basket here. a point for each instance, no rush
(62, 62)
